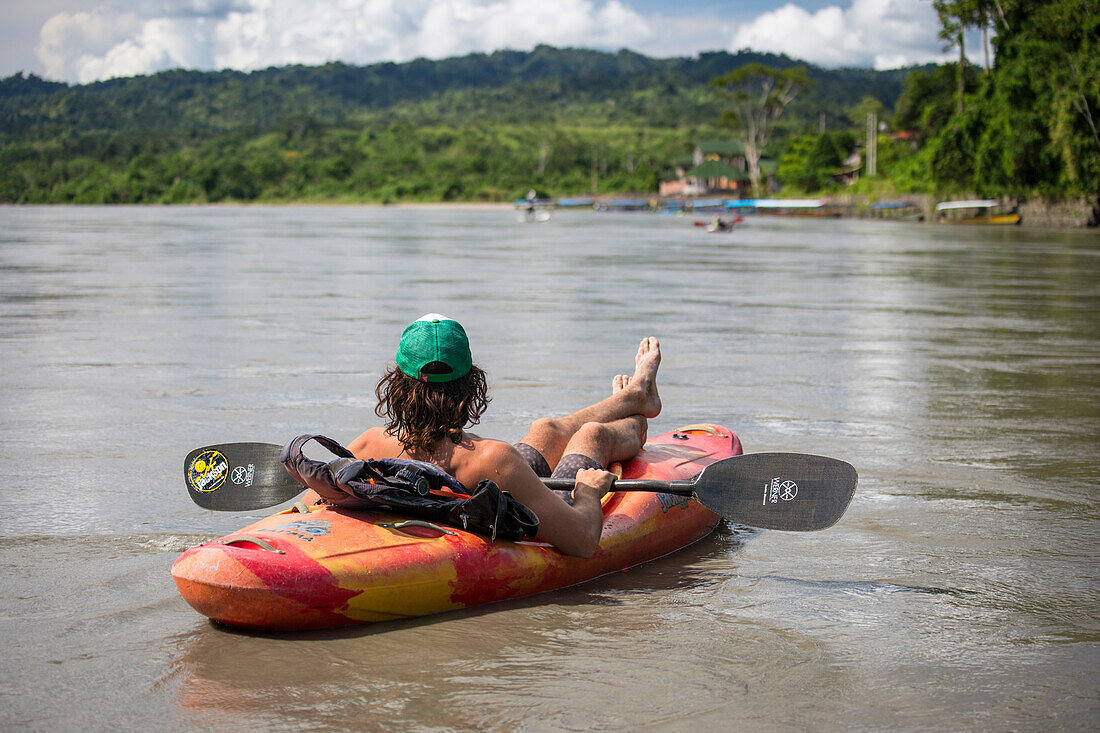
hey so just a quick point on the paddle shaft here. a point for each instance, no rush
(680, 488)
(787, 491)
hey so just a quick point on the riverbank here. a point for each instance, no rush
(1042, 212)
(1038, 211)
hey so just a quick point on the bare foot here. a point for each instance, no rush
(646, 363)
(620, 382)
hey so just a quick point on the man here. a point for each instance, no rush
(436, 391)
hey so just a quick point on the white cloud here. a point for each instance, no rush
(128, 37)
(884, 34)
(67, 39)
(86, 46)
(161, 43)
(454, 27)
(118, 39)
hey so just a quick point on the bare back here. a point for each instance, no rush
(573, 529)
(464, 460)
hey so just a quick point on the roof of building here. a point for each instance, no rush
(717, 169)
(721, 147)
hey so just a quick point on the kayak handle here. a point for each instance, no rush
(701, 428)
(416, 523)
(253, 540)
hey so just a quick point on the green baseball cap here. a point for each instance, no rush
(434, 339)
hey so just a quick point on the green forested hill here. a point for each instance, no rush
(544, 85)
(479, 127)
(564, 121)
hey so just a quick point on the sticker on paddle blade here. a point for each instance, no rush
(208, 471)
(777, 489)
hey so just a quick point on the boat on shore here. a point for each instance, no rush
(985, 211)
(785, 207)
(897, 211)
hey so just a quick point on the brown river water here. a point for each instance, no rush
(958, 368)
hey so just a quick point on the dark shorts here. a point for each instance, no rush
(567, 467)
(534, 459)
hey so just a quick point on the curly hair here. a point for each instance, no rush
(419, 414)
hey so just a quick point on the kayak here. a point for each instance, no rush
(319, 566)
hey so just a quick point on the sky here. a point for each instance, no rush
(80, 41)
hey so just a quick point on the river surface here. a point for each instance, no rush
(958, 368)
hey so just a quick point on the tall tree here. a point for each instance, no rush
(955, 16)
(1064, 41)
(1032, 124)
(759, 95)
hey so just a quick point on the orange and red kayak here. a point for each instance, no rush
(319, 566)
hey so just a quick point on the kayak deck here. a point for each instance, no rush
(320, 566)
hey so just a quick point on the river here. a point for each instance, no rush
(958, 368)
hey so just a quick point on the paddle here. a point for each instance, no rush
(237, 477)
(787, 491)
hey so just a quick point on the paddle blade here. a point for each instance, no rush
(788, 491)
(234, 477)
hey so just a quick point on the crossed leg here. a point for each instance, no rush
(613, 429)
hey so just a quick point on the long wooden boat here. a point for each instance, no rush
(988, 207)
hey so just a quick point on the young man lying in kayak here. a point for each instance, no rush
(435, 392)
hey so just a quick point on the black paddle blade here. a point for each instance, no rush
(788, 491)
(234, 477)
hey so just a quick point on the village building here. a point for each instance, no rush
(849, 170)
(717, 167)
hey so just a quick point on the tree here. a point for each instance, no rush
(759, 95)
(1031, 124)
(926, 105)
(811, 160)
(1061, 38)
(954, 15)
(867, 105)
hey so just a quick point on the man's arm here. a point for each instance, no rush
(575, 530)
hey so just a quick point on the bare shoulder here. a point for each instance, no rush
(493, 459)
(494, 449)
(369, 444)
(502, 463)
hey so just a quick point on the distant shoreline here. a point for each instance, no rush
(457, 205)
(1039, 212)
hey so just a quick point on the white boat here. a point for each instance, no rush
(984, 211)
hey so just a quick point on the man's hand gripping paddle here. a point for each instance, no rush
(787, 491)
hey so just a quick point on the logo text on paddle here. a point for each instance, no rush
(244, 474)
(207, 471)
(777, 489)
